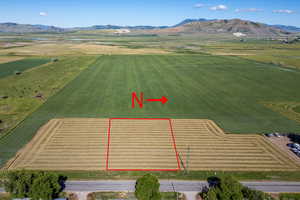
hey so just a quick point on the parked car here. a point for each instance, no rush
(294, 150)
(296, 145)
(291, 145)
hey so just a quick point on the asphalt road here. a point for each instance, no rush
(179, 186)
(168, 186)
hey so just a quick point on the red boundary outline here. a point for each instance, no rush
(173, 141)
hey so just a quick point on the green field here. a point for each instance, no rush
(10, 68)
(274, 52)
(228, 90)
(297, 109)
(21, 90)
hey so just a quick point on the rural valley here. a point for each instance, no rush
(229, 89)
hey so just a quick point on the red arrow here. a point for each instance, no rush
(163, 100)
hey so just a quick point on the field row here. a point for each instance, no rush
(44, 152)
(82, 144)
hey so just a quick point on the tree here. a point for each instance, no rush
(211, 195)
(18, 183)
(36, 185)
(227, 188)
(250, 194)
(45, 186)
(147, 188)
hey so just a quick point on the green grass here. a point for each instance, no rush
(192, 175)
(227, 90)
(9, 68)
(289, 196)
(286, 55)
(21, 90)
(297, 109)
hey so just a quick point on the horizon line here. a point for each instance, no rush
(63, 27)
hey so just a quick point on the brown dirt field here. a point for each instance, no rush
(141, 144)
(212, 149)
(68, 48)
(80, 144)
(105, 49)
(282, 143)
(231, 54)
(66, 144)
(5, 59)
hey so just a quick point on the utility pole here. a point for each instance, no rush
(182, 163)
(188, 159)
(186, 164)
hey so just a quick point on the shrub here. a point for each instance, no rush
(147, 188)
(17, 72)
(250, 194)
(289, 196)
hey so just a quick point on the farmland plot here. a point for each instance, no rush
(82, 144)
(65, 144)
(228, 90)
(9, 68)
(204, 146)
(141, 144)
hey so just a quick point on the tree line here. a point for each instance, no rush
(38, 185)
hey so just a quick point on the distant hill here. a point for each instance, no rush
(27, 28)
(278, 26)
(103, 27)
(227, 26)
(287, 28)
(186, 26)
(186, 21)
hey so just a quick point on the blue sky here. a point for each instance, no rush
(67, 13)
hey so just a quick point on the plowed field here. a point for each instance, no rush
(82, 144)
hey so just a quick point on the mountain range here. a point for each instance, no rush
(282, 27)
(28, 28)
(287, 28)
(234, 26)
(187, 25)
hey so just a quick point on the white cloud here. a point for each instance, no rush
(219, 7)
(286, 11)
(199, 5)
(249, 10)
(43, 14)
